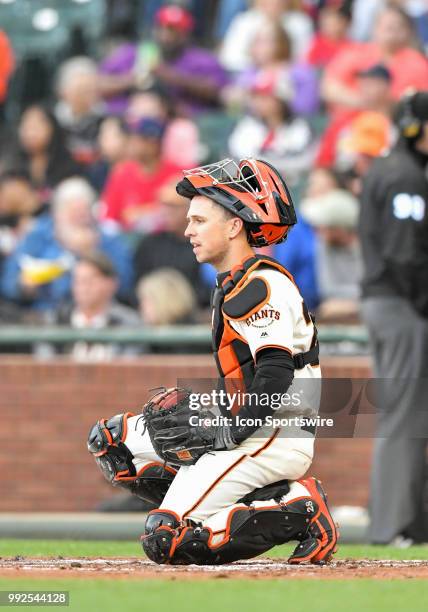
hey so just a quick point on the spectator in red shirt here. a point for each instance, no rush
(332, 36)
(374, 86)
(130, 198)
(7, 64)
(392, 43)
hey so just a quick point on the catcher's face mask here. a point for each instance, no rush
(252, 190)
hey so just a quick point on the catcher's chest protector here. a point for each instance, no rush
(235, 298)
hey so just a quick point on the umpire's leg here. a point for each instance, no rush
(400, 346)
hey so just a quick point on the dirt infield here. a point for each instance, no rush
(85, 567)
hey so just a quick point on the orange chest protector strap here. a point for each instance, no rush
(237, 298)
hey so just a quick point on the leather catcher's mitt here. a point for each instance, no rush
(167, 418)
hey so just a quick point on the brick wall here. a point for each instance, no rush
(46, 410)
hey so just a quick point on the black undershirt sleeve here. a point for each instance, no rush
(274, 375)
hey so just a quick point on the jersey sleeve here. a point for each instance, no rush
(270, 322)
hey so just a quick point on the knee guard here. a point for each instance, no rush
(161, 531)
(249, 532)
(115, 460)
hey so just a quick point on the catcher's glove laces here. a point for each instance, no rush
(158, 390)
(168, 419)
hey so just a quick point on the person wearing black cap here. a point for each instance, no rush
(394, 240)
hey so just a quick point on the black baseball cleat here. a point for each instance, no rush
(320, 542)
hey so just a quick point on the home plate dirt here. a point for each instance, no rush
(263, 568)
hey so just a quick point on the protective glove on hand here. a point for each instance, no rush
(181, 435)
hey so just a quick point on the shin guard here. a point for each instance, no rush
(249, 532)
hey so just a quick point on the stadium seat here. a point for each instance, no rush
(88, 14)
(214, 131)
(10, 11)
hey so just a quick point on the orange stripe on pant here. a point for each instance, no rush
(220, 478)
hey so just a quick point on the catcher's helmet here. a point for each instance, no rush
(252, 190)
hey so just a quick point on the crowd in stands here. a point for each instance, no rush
(91, 228)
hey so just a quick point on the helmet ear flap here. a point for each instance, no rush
(266, 234)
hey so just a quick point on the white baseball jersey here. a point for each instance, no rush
(281, 323)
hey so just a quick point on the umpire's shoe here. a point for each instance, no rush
(320, 542)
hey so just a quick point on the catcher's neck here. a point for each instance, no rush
(233, 257)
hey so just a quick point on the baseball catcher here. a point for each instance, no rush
(232, 487)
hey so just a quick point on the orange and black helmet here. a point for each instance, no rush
(252, 190)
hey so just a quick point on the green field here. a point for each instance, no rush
(234, 595)
(69, 548)
(250, 595)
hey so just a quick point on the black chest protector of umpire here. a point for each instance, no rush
(234, 298)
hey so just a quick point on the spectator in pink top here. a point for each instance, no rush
(7, 65)
(392, 46)
(271, 57)
(130, 198)
(234, 52)
(332, 35)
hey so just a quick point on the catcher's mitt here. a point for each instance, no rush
(167, 418)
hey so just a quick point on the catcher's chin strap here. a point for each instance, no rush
(249, 532)
(115, 460)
